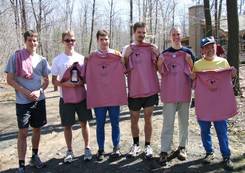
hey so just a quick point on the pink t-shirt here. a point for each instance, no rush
(24, 64)
(142, 73)
(175, 80)
(76, 94)
(105, 80)
(214, 97)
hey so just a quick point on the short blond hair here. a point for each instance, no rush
(174, 28)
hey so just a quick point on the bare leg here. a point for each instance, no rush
(21, 143)
(148, 123)
(36, 133)
(134, 123)
(85, 133)
(68, 137)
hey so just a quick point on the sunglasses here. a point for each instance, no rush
(69, 40)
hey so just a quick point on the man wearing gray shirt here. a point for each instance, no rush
(27, 72)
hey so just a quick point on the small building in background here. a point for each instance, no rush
(197, 30)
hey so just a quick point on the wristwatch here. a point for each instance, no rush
(41, 91)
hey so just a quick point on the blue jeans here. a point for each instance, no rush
(221, 131)
(100, 113)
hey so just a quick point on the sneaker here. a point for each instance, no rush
(116, 153)
(87, 154)
(100, 155)
(69, 157)
(228, 164)
(182, 153)
(134, 151)
(163, 158)
(36, 162)
(21, 170)
(208, 158)
(148, 152)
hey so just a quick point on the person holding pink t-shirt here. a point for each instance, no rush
(66, 75)
(106, 86)
(143, 86)
(213, 78)
(174, 65)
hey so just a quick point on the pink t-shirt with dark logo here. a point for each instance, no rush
(142, 73)
(105, 80)
(175, 80)
(76, 94)
(214, 97)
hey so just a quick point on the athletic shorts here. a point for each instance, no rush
(68, 111)
(33, 114)
(135, 104)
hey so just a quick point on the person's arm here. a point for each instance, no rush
(45, 82)
(31, 95)
(233, 72)
(189, 61)
(126, 53)
(45, 73)
(193, 73)
(160, 63)
(155, 50)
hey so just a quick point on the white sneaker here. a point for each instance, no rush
(69, 157)
(134, 151)
(148, 152)
(87, 154)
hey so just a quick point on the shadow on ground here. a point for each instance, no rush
(132, 165)
(58, 128)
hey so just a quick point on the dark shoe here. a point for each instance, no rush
(182, 153)
(116, 153)
(208, 158)
(100, 155)
(21, 170)
(163, 158)
(36, 162)
(228, 165)
(192, 102)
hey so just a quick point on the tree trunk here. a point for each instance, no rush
(219, 14)
(233, 40)
(139, 8)
(110, 27)
(144, 10)
(92, 28)
(131, 21)
(207, 18)
(173, 15)
(15, 7)
(216, 18)
(156, 22)
(23, 15)
(150, 19)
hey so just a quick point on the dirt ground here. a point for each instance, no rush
(52, 145)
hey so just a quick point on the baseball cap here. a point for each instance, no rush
(207, 40)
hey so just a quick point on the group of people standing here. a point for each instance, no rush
(98, 82)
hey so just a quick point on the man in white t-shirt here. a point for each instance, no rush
(61, 64)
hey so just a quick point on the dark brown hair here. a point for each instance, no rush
(101, 33)
(30, 33)
(139, 25)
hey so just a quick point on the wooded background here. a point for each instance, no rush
(50, 18)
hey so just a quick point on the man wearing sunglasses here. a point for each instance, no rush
(72, 94)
